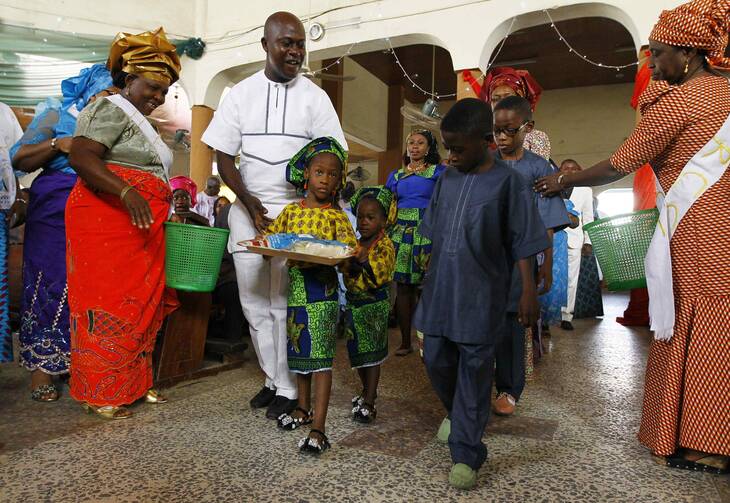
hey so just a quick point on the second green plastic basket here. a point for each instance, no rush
(620, 244)
(193, 256)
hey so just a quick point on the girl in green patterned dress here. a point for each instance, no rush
(367, 277)
(412, 186)
(312, 305)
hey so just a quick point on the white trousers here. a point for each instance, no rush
(262, 287)
(574, 258)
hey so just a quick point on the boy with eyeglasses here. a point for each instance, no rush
(512, 121)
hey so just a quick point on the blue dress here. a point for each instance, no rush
(551, 303)
(412, 194)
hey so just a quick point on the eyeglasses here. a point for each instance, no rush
(510, 131)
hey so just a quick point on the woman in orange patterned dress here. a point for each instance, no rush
(686, 412)
(114, 226)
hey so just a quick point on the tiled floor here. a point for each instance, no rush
(573, 439)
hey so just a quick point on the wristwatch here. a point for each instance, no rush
(560, 180)
(53, 144)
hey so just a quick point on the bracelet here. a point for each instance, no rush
(124, 192)
(20, 199)
(560, 180)
(53, 143)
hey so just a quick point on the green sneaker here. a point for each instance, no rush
(444, 431)
(462, 476)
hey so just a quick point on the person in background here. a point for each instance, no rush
(251, 120)
(205, 204)
(220, 203)
(226, 289)
(684, 117)
(512, 122)
(412, 185)
(11, 203)
(503, 81)
(184, 192)
(553, 302)
(44, 332)
(581, 262)
(368, 276)
(345, 197)
(114, 229)
(482, 220)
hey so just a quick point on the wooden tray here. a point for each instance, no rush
(290, 255)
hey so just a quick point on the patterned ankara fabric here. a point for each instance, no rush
(412, 249)
(537, 142)
(116, 290)
(368, 306)
(300, 161)
(702, 24)
(687, 390)
(588, 296)
(381, 194)
(6, 336)
(312, 303)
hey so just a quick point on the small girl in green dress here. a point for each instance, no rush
(367, 277)
(312, 303)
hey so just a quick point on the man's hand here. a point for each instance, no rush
(545, 276)
(258, 212)
(587, 250)
(64, 144)
(528, 311)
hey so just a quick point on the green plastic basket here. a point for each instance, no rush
(620, 244)
(193, 256)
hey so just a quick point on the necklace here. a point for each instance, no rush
(303, 204)
(416, 167)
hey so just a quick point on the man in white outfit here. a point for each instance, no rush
(579, 243)
(268, 118)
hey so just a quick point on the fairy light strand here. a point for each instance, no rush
(581, 56)
(413, 83)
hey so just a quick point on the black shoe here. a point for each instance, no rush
(280, 405)
(566, 325)
(263, 398)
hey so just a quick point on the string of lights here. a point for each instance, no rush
(581, 56)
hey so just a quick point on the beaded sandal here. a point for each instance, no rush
(45, 393)
(313, 445)
(289, 422)
(365, 413)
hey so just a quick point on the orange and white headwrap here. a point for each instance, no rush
(702, 24)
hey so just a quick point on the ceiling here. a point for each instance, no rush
(536, 49)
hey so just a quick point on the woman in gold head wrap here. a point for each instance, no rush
(115, 238)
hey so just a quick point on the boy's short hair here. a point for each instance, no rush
(517, 104)
(469, 116)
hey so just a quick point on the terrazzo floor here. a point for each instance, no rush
(571, 440)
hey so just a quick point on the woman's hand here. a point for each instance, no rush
(17, 210)
(139, 209)
(549, 186)
(258, 212)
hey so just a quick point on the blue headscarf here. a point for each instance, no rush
(54, 121)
